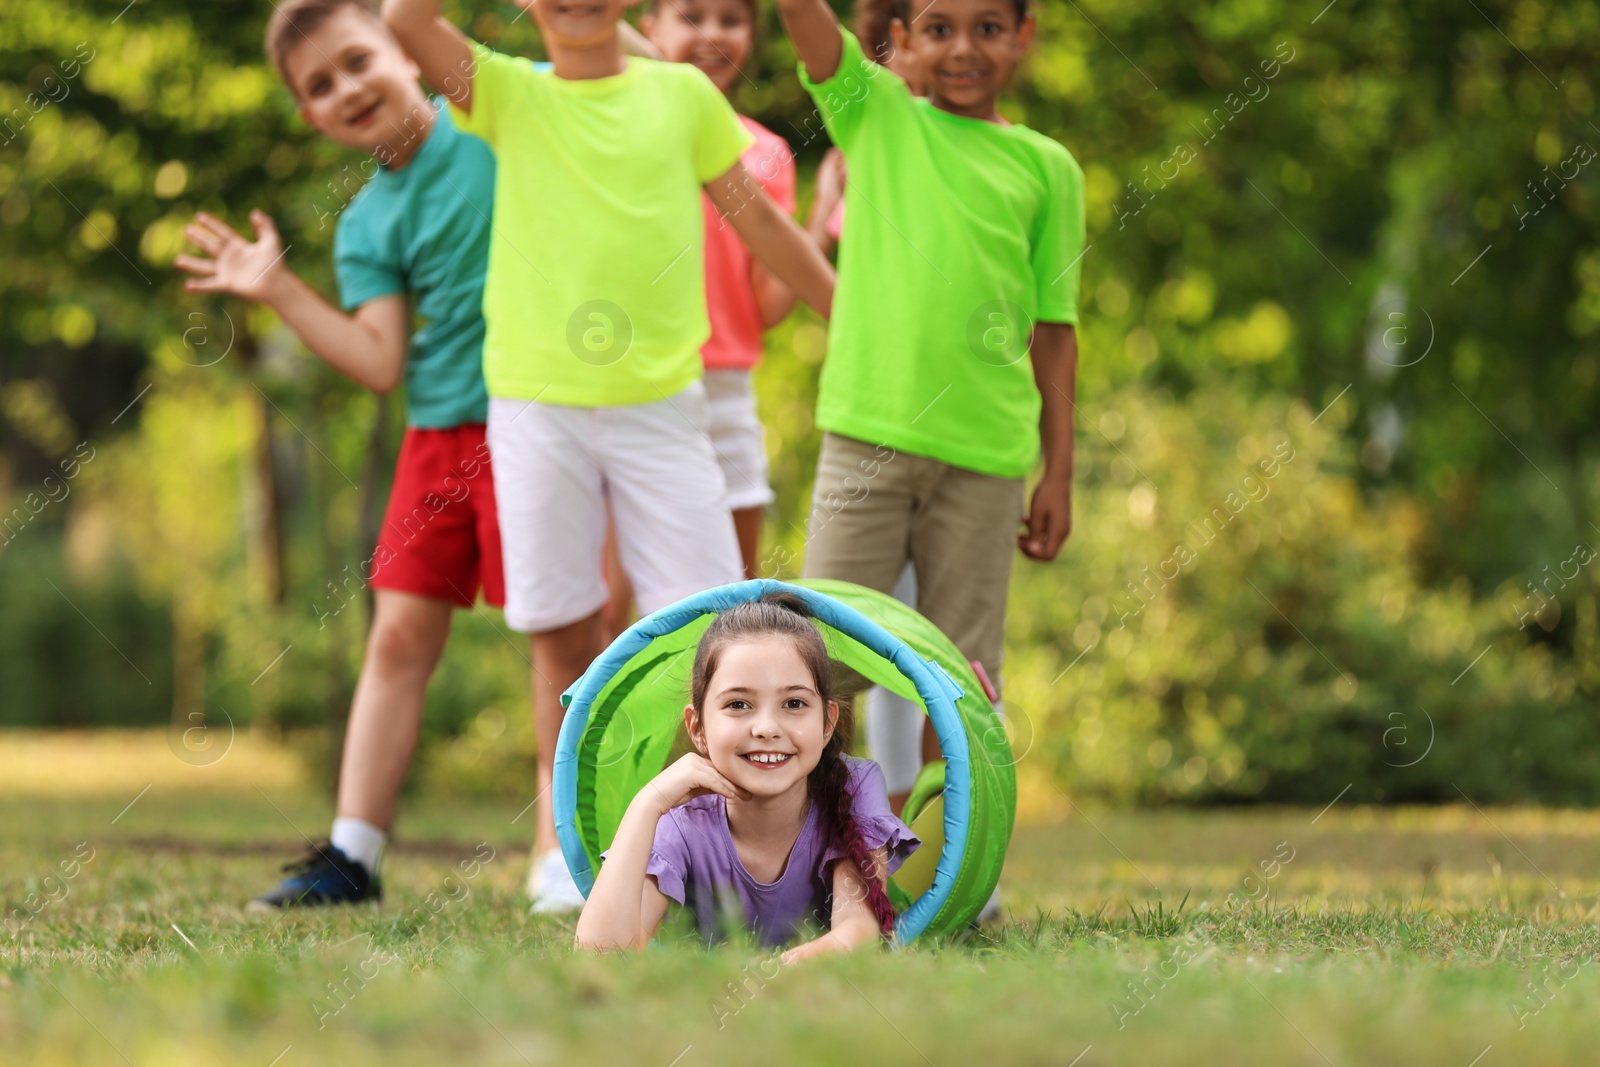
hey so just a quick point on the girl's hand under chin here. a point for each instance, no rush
(691, 776)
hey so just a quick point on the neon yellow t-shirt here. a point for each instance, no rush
(959, 235)
(595, 295)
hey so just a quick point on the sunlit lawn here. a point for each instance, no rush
(1381, 937)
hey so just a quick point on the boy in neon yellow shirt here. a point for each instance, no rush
(595, 310)
(952, 350)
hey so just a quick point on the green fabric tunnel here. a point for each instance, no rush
(624, 722)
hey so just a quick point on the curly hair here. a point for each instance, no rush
(873, 18)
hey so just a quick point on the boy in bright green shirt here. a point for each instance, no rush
(952, 351)
(596, 311)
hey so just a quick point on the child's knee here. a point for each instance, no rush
(396, 646)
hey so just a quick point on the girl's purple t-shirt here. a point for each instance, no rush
(695, 863)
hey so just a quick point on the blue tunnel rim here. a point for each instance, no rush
(936, 689)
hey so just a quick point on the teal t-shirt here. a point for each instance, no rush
(959, 236)
(423, 231)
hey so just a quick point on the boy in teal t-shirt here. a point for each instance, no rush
(423, 231)
(596, 312)
(413, 243)
(952, 350)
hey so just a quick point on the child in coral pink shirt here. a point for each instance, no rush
(742, 298)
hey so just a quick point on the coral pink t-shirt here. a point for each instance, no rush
(736, 327)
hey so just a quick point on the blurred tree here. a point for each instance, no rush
(1385, 209)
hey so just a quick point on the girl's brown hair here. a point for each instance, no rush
(786, 615)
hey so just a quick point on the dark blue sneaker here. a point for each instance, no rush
(324, 875)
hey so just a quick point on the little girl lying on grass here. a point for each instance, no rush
(767, 818)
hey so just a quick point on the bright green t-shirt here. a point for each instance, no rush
(959, 235)
(595, 294)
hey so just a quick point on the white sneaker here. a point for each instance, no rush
(551, 886)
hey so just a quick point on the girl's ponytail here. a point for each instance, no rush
(830, 791)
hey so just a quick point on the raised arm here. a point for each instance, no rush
(443, 52)
(814, 30)
(774, 297)
(369, 346)
(774, 239)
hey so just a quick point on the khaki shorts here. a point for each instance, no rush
(874, 508)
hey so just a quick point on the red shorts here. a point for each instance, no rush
(440, 535)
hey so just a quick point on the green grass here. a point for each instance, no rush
(1386, 937)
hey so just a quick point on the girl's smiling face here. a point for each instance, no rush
(763, 725)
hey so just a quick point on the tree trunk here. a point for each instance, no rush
(188, 662)
(324, 480)
(265, 508)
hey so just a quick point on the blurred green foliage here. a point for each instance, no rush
(1368, 231)
(1247, 623)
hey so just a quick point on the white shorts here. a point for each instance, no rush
(554, 467)
(736, 438)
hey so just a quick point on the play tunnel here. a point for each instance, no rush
(624, 723)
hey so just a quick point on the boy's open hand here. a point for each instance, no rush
(1049, 519)
(691, 776)
(244, 268)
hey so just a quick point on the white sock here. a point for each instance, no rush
(360, 840)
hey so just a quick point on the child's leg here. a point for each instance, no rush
(437, 546)
(962, 542)
(861, 512)
(668, 497)
(552, 524)
(747, 528)
(430, 559)
(736, 439)
(618, 612)
(560, 657)
(860, 522)
(894, 724)
(408, 635)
